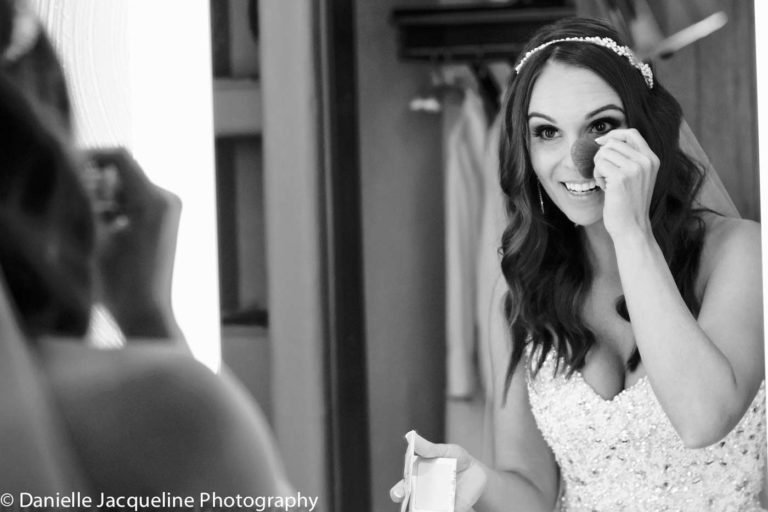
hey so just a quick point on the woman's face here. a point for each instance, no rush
(566, 103)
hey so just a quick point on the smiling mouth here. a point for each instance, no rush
(581, 187)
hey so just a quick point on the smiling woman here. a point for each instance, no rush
(636, 370)
(570, 103)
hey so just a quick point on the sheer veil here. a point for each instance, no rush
(712, 194)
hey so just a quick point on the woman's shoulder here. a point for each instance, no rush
(719, 226)
(135, 389)
(729, 241)
(729, 234)
(71, 365)
(137, 411)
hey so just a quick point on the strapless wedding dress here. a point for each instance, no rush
(624, 455)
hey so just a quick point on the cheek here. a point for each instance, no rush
(542, 161)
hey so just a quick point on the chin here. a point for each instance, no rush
(583, 223)
(584, 218)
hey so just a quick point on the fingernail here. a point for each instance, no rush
(600, 139)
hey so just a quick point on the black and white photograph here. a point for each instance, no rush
(382, 255)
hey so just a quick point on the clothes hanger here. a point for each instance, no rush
(487, 87)
(430, 97)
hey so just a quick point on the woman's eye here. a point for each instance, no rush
(545, 132)
(604, 125)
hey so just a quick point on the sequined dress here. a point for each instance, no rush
(624, 455)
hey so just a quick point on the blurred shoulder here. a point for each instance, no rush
(71, 365)
(133, 414)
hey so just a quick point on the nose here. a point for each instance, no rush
(583, 155)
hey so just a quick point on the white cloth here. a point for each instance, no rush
(624, 454)
(493, 333)
(491, 286)
(465, 151)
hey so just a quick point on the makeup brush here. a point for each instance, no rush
(583, 155)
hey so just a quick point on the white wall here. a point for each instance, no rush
(293, 198)
(761, 53)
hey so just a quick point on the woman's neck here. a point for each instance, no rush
(600, 249)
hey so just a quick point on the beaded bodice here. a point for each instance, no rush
(623, 453)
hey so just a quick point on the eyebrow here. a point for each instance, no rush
(604, 108)
(610, 106)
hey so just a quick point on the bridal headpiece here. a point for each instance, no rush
(605, 42)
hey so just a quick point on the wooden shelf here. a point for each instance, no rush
(468, 33)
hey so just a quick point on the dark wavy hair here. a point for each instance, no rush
(544, 260)
(46, 229)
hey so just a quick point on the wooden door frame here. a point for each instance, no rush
(314, 248)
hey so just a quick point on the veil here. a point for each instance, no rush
(712, 194)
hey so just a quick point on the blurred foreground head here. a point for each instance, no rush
(46, 231)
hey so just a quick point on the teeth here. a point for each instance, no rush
(584, 186)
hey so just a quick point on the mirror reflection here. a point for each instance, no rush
(248, 255)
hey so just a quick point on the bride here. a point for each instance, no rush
(636, 369)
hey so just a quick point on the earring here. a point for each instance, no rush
(541, 197)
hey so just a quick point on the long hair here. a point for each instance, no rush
(544, 260)
(46, 230)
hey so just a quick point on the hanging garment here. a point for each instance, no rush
(490, 286)
(464, 158)
(493, 334)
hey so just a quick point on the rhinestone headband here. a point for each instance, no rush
(605, 42)
(24, 32)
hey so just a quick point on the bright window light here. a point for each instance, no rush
(140, 76)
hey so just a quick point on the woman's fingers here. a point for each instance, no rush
(618, 161)
(470, 478)
(397, 492)
(429, 450)
(632, 158)
(629, 136)
(615, 159)
(133, 180)
(607, 165)
(600, 181)
(632, 145)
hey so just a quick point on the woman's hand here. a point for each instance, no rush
(471, 475)
(626, 168)
(136, 228)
